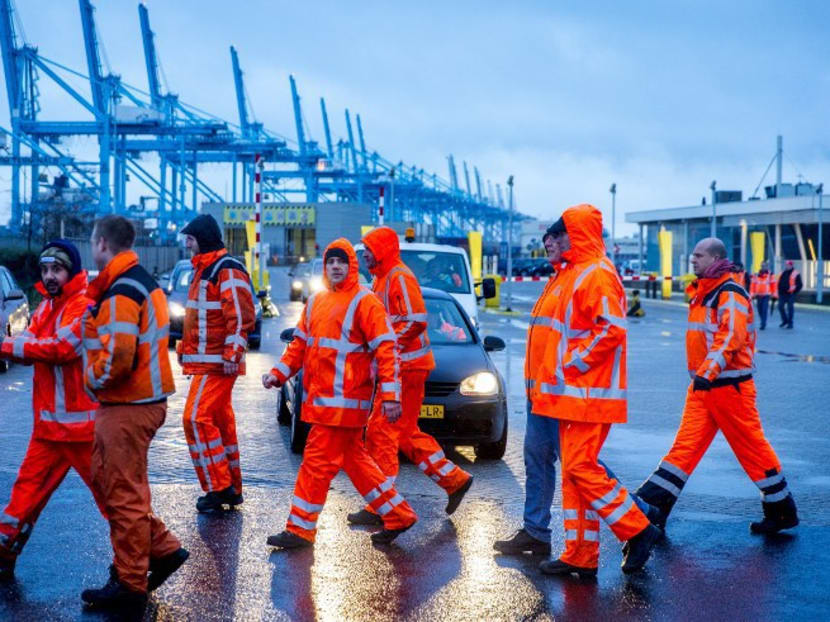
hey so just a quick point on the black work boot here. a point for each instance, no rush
(288, 540)
(364, 517)
(777, 516)
(639, 549)
(7, 563)
(387, 535)
(115, 595)
(522, 542)
(558, 567)
(216, 501)
(455, 498)
(163, 567)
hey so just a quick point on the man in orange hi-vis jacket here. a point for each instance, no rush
(400, 293)
(64, 414)
(128, 371)
(580, 380)
(219, 315)
(720, 354)
(341, 331)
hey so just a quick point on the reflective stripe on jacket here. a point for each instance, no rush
(218, 316)
(720, 340)
(763, 284)
(400, 293)
(126, 334)
(538, 333)
(582, 373)
(62, 409)
(341, 331)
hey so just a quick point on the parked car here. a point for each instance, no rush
(14, 309)
(465, 401)
(541, 267)
(183, 265)
(177, 300)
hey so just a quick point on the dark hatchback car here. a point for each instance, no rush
(180, 279)
(464, 402)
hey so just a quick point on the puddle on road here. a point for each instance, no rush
(798, 358)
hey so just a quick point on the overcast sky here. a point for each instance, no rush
(659, 97)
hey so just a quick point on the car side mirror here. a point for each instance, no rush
(287, 335)
(493, 344)
(488, 288)
(16, 294)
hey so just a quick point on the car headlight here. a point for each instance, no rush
(297, 285)
(176, 309)
(316, 284)
(482, 383)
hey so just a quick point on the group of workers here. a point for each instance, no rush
(575, 373)
(102, 378)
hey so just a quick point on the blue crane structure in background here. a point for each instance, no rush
(132, 126)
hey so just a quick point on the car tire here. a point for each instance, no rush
(495, 450)
(283, 414)
(299, 428)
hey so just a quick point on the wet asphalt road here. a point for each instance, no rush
(708, 568)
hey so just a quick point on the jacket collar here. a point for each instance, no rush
(203, 260)
(77, 283)
(117, 266)
(702, 286)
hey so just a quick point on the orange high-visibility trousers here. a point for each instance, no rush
(119, 471)
(732, 410)
(43, 469)
(210, 429)
(384, 439)
(588, 495)
(329, 449)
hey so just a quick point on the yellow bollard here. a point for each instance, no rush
(493, 303)
(758, 244)
(664, 239)
(474, 239)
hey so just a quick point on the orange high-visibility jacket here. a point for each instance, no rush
(341, 330)
(582, 374)
(125, 335)
(400, 293)
(763, 284)
(720, 340)
(219, 315)
(62, 409)
(538, 332)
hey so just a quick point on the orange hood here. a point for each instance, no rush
(584, 225)
(383, 242)
(351, 280)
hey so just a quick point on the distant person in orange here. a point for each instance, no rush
(398, 289)
(128, 371)
(343, 331)
(761, 289)
(219, 315)
(720, 355)
(64, 415)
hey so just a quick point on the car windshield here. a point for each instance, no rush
(317, 267)
(183, 280)
(302, 270)
(445, 323)
(436, 269)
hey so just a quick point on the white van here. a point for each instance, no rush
(439, 266)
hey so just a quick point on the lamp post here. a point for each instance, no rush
(613, 191)
(713, 231)
(820, 267)
(510, 244)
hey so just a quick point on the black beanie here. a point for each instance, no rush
(70, 250)
(336, 252)
(556, 228)
(206, 231)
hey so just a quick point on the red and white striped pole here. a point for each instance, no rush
(380, 206)
(258, 256)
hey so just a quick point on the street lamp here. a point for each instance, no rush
(613, 191)
(713, 231)
(510, 245)
(820, 284)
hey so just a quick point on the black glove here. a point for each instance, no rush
(701, 384)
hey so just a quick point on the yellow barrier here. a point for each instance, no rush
(665, 243)
(474, 239)
(493, 303)
(758, 244)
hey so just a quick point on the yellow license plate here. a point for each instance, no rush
(432, 411)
